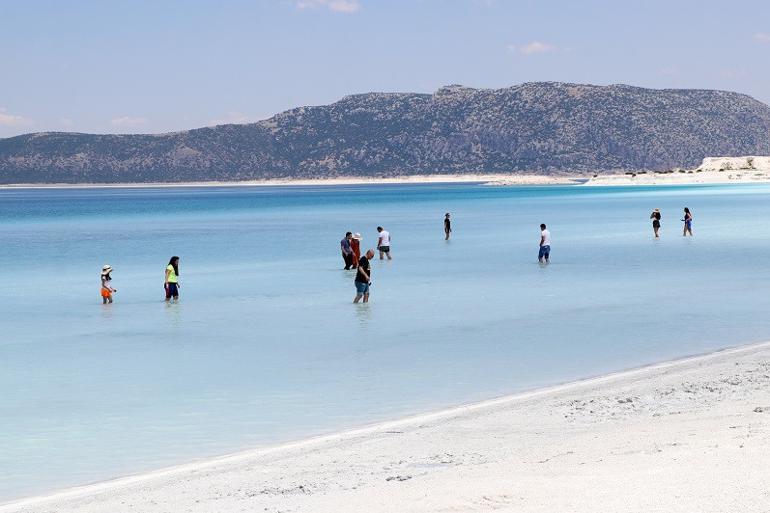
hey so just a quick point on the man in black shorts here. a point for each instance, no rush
(383, 243)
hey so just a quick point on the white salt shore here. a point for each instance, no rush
(690, 177)
(492, 179)
(691, 435)
(713, 170)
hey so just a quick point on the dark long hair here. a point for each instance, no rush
(174, 262)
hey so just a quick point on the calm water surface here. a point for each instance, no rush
(265, 345)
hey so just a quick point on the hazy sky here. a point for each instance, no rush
(158, 66)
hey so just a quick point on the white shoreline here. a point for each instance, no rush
(499, 179)
(604, 180)
(619, 377)
(682, 178)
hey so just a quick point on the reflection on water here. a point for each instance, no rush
(173, 311)
(363, 314)
(106, 311)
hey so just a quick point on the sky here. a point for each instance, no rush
(109, 66)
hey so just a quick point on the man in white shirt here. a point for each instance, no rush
(383, 243)
(545, 245)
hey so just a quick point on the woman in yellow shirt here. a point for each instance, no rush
(171, 283)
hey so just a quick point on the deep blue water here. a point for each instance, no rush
(265, 345)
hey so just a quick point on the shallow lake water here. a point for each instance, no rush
(265, 345)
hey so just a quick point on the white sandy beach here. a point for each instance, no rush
(686, 177)
(689, 177)
(713, 170)
(492, 179)
(686, 436)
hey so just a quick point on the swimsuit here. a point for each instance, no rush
(106, 289)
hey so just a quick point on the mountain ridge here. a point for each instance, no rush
(542, 127)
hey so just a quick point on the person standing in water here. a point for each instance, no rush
(347, 250)
(355, 245)
(655, 216)
(447, 226)
(544, 254)
(383, 243)
(687, 222)
(107, 289)
(363, 278)
(171, 283)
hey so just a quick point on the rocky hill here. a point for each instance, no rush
(534, 127)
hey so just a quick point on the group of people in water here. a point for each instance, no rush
(350, 247)
(351, 252)
(170, 282)
(687, 219)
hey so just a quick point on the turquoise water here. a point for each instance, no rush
(265, 345)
